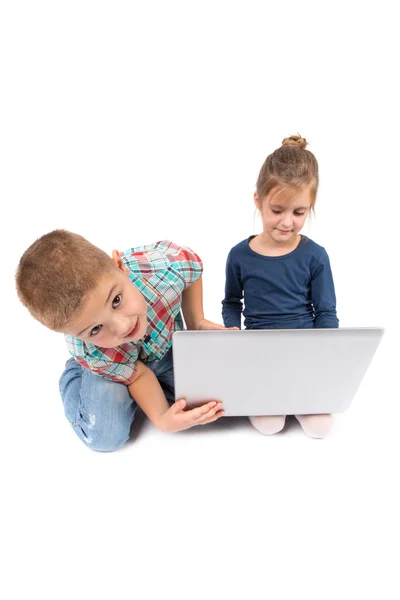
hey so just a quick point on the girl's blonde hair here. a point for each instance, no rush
(291, 167)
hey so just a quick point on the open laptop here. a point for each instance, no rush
(274, 371)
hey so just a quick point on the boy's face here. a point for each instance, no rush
(114, 314)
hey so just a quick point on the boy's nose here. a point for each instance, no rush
(121, 326)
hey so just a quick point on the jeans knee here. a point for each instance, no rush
(102, 441)
(100, 411)
(107, 445)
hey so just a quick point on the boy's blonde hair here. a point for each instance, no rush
(290, 167)
(56, 274)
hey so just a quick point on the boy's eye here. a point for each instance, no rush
(116, 301)
(95, 330)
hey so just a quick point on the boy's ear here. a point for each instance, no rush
(257, 201)
(118, 261)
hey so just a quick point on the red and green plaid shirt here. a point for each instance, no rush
(161, 271)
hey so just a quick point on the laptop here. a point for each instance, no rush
(274, 371)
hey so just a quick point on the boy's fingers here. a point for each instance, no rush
(200, 411)
(214, 418)
(209, 414)
(178, 406)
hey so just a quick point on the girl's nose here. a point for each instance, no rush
(286, 221)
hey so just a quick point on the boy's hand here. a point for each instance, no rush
(177, 419)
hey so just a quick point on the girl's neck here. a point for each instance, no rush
(264, 244)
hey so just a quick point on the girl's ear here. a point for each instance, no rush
(118, 261)
(257, 201)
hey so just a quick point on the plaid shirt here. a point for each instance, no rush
(161, 272)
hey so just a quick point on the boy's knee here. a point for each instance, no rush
(102, 441)
(107, 445)
(102, 431)
(100, 411)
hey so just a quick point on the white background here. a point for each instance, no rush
(130, 122)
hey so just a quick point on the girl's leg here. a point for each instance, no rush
(100, 411)
(268, 425)
(316, 426)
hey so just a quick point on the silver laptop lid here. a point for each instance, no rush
(275, 371)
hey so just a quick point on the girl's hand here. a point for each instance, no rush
(206, 324)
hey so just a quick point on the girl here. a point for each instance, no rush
(284, 277)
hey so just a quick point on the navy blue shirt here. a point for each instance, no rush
(293, 291)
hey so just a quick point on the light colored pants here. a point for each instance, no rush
(102, 411)
(317, 426)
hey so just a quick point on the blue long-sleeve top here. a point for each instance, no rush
(293, 291)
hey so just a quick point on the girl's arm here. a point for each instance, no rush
(323, 294)
(232, 304)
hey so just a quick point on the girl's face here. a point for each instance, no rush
(283, 214)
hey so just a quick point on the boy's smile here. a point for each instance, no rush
(134, 331)
(115, 312)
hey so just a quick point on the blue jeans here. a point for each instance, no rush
(101, 411)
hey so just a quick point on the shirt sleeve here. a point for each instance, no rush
(323, 295)
(117, 364)
(185, 262)
(232, 304)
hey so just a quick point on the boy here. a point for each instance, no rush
(118, 315)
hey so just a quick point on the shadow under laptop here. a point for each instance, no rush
(226, 424)
(142, 426)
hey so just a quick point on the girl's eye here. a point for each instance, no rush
(117, 301)
(95, 330)
(299, 214)
(276, 212)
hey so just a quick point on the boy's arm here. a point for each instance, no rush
(192, 308)
(148, 394)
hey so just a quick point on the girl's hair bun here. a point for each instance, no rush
(295, 140)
